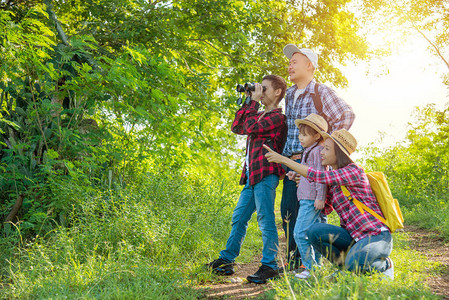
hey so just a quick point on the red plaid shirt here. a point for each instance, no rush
(354, 178)
(271, 130)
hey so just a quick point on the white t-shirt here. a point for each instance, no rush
(298, 93)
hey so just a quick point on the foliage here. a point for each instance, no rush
(429, 19)
(126, 242)
(417, 169)
(90, 90)
(115, 143)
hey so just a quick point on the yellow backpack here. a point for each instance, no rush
(388, 205)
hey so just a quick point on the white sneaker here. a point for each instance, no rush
(389, 273)
(303, 275)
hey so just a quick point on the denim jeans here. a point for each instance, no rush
(260, 198)
(289, 213)
(366, 255)
(307, 216)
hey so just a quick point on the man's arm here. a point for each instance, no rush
(340, 113)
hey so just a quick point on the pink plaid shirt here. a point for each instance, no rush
(354, 178)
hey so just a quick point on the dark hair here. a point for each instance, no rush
(277, 82)
(307, 130)
(342, 159)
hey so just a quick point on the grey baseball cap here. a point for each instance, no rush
(291, 49)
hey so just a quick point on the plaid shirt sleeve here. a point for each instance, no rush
(240, 117)
(339, 113)
(247, 121)
(342, 176)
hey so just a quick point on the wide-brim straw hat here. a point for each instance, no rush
(343, 139)
(315, 121)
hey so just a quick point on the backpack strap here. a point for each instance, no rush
(361, 206)
(319, 105)
(317, 100)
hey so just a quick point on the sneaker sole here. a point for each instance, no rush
(256, 281)
(261, 281)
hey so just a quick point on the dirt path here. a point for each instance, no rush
(236, 286)
(436, 250)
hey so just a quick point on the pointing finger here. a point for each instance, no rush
(268, 148)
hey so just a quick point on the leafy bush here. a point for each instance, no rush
(418, 169)
(146, 237)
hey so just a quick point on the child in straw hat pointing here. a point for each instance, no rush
(311, 195)
(362, 243)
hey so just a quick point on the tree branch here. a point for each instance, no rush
(15, 208)
(432, 44)
(59, 29)
(216, 49)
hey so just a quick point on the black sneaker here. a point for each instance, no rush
(221, 267)
(263, 274)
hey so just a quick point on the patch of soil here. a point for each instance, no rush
(435, 249)
(236, 286)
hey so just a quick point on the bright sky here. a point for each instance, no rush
(385, 103)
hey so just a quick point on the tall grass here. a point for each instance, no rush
(411, 269)
(150, 240)
(142, 241)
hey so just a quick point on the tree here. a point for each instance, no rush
(94, 90)
(428, 18)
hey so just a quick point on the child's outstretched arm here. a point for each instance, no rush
(275, 157)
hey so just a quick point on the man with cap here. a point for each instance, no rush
(306, 96)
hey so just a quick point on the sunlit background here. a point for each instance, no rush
(385, 103)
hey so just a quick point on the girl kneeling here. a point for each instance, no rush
(362, 243)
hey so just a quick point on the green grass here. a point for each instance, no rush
(145, 241)
(411, 268)
(151, 241)
(429, 214)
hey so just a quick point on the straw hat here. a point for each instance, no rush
(315, 121)
(344, 140)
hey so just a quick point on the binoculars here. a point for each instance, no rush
(248, 87)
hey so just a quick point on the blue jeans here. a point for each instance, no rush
(307, 216)
(289, 214)
(260, 198)
(366, 255)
